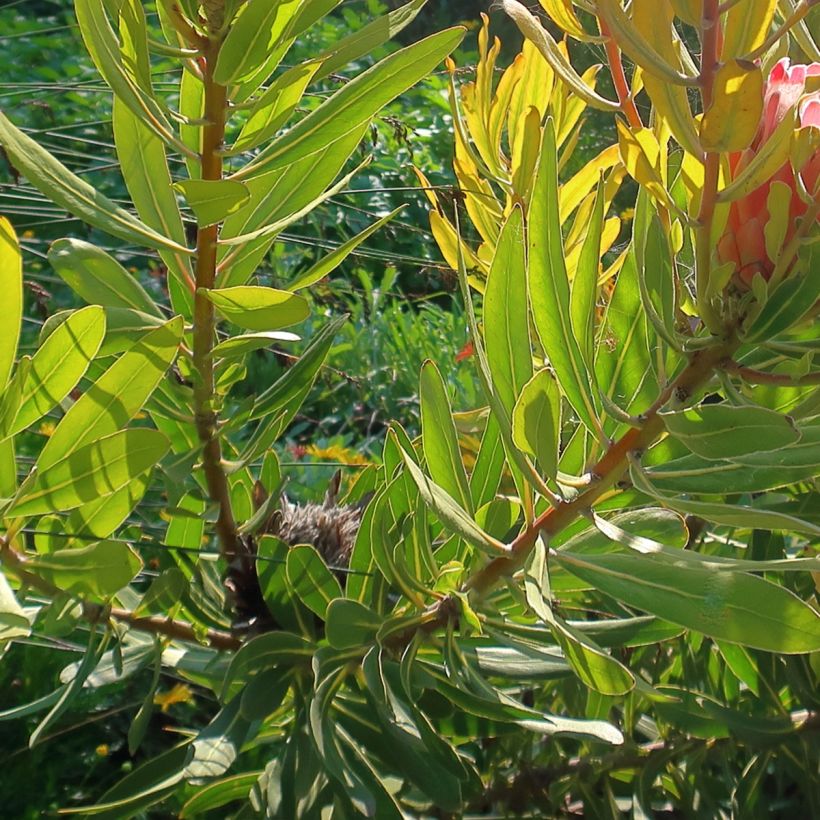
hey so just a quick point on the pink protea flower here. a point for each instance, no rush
(743, 241)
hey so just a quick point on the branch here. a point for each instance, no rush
(95, 613)
(749, 374)
(532, 784)
(207, 422)
(607, 472)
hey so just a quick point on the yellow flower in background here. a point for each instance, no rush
(180, 693)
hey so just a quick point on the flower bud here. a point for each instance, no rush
(764, 220)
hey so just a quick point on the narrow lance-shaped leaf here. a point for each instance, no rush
(735, 607)
(532, 29)
(255, 32)
(327, 264)
(98, 570)
(116, 396)
(311, 579)
(549, 286)
(449, 512)
(144, 166)
(97, 469)
(11, 286)
(97, 277)
(127, 81)
(440, 438)
(297, 379)
(536, 421)
(53, 179)
(733, 515)
(716, 431)
(273, 108)
(506, 313)
(213, 200)
(368, 38)
(258, 308)
(59, 364)
(585, 281)
(357, 101)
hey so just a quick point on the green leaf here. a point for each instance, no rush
(291, 388)
(258, 308)
(585, 282)
(220, 793)
(96, 469)
(68, 692)
(144, 167)
(489, 464)
(734, 607)
(240, 345)
(277, 196)
(349, 623)
(716, 431)
(217, 746)
(99, 570)
(254, 33)
(102, 516)
(59, 364)
(596, 668)
(624, 360)
(397, 721)
(125, 70)
(11, 286)
(273, 108)
(356, 102)
(13, 620)
(213, 200)
(329, 263)
(266, 651)
(165, 592)
(12, 396)
(146, 785)
(751, 472)
(536, 421)
(790, 302)
(440, 438)
(69, 191)
(449, 512)
(733, 515)
(116, 396)
(97, 278)
(139, 725)
(506, 325)
(549, 287)
(311, 580)
(369, 37)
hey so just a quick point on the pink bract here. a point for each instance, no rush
(743, 240)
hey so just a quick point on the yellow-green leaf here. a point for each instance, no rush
(746, 27)
(732, 120)
(254, 33)
(536, 421)
(116, 396)
(53, 179)
(60, 363)
(258, 308)
(97, 278)
(11, 286)
(213, 200)
(532, 29)
(97, 469)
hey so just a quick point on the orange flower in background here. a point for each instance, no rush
(789, 88)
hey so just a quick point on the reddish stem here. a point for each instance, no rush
(616, 69)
